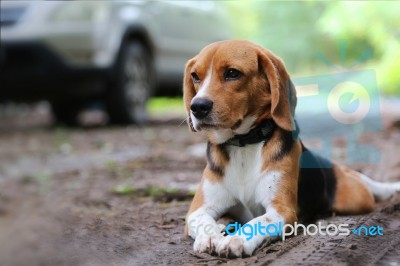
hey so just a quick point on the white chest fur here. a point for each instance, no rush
(245, 180)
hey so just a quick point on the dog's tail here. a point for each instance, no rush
(381, 191)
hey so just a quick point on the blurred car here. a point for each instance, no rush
(73, 53)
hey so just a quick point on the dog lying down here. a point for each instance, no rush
(240, 95)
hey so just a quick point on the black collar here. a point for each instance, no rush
(261, 133)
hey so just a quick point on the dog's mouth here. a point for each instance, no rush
(205, 126)
(211, 125)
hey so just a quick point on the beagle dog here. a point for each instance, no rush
(240, 95)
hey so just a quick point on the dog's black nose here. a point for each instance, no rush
(201, 107)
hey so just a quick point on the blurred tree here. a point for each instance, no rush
(313, 36)
(288, 30)
(370, 24)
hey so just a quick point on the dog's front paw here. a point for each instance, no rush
(206, 243)
(234, 247)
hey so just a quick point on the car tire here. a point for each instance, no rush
(134, 83)
(66, 113)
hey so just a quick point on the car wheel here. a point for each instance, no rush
(66, 113)
(127, 96)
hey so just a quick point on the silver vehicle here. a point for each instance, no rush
(117, 53)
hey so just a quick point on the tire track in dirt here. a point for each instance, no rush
(343, 250)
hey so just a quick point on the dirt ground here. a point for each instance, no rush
(118, 196)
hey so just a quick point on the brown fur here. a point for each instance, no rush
(352, 196)
(285, 201)
(196, 203)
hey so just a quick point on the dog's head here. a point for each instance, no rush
(232, 86)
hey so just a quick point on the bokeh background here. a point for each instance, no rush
(315, 36)
(312, 37)
(101, 193)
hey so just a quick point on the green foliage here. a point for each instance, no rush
(315, 37)
(374, 25)
(164, 105)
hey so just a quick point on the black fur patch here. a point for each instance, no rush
(286, 141)
(316, 187)
(221, 150)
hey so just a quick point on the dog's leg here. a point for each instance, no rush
(355, 192)
(351, 195)
(280, 208)
(210, 202)
(244, 245)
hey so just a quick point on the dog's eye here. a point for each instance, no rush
(195, 78)
(232, 74)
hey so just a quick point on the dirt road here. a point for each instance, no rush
(118, 196)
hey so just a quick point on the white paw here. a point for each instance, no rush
(206, 243)
(234, 247)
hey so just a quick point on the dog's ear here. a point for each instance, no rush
(188, 91)
(283, 93)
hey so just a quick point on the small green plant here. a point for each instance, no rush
(124, 190)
